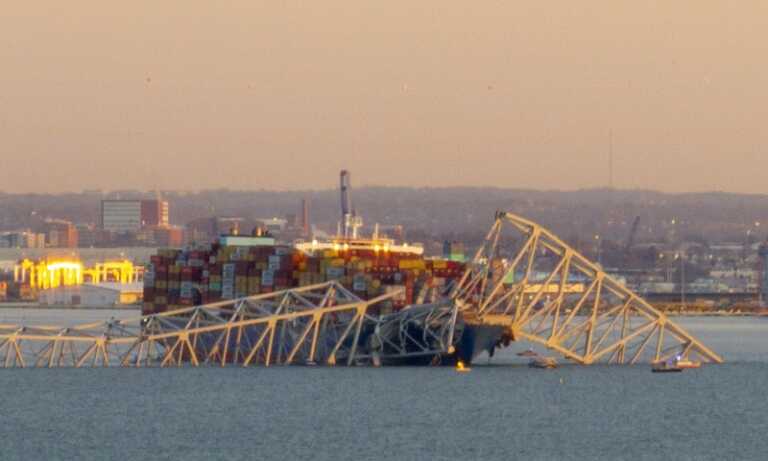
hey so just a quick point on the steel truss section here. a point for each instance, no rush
(541, 290)
(323, 324)
(523, 282)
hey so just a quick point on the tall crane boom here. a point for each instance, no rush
(346, 199)
(349, 219)
(632, 234)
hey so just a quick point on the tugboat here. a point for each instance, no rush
(676, 364)
(543, 362)
(685, 363)
(527, 353)
(665, 367)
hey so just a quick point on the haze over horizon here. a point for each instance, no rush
(190, 96)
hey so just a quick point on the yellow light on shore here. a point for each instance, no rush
(52, 273)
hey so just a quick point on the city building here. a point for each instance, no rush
(206, 229)
(167, 236)
(273, 225)
(154, 213)
(306, 226)
(22, 239)
(121, 215)
(60, 234)
(133, 215)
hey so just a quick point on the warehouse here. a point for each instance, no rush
(92, 295)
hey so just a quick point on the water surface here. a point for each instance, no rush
(500, 410)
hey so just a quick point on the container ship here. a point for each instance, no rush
(240, 266)
(237, 266)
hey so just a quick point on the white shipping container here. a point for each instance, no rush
(392, 288)
(185, 291)
(335, 272)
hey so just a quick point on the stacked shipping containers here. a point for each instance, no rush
(180, 278)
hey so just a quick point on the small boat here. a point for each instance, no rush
(675, 364)
(461, 368)
(685, 363)
(665, 367)
(527, 353)
(543, 362)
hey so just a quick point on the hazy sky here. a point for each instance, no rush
(250, 94)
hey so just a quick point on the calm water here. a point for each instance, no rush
(499, 411)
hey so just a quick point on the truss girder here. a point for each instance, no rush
(318, 324)
(525, 278)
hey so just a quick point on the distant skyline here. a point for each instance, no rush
(251, 95)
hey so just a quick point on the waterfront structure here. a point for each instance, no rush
(763, 274)
(105, 294)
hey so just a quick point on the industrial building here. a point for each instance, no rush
(162, 236)
(92, 295)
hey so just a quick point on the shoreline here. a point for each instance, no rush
(22, 305)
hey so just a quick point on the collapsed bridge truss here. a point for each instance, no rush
(523, 284)
(318, 324)
(541, 290)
